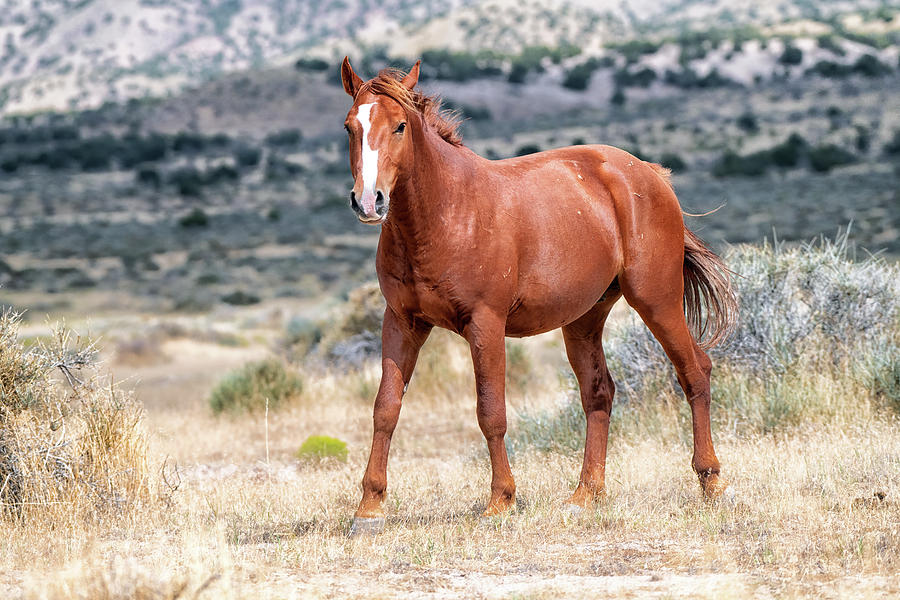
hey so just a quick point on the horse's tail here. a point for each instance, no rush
(710, 304)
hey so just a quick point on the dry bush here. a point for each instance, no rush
(818, 341)
(72, 448)
(355, 332)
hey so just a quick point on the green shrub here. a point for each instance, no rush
(247, 156)
(137, 149)
(748, 122)
(187, 180)
(673, 161)
(892, 147)
(196, 218)
(517, 72)
(789, 152)
(829, 68)
(278, 168)
(221, 173)
(458, 66)
(240, 298)
(640, 78)
(312, 64)
(792, 55)
(468, 111)
(633, 50)
(9, 163)
(319, 447)
(827, 156)
(249, 388)
(868, 65)
(286, 137)
(579, 76)
(188, 142)
(148, 176)
(748, 165)
(527, 149)
(863, 141)
(97, 153)
(687, 78)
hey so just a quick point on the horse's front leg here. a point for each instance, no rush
(401, 340)
(486, 336)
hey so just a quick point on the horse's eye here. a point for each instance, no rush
(400, 128)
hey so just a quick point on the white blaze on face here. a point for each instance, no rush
(369, 156)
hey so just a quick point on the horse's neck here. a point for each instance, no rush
(433, 190)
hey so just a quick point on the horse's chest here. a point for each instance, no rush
(423, 298)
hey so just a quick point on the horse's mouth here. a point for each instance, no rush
(375, 221)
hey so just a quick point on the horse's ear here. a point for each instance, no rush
(351, 80)
(412, 78)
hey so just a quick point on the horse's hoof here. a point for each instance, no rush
(715, 487)
(366, 526)
(574, 510)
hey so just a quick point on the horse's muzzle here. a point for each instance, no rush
(379, 212)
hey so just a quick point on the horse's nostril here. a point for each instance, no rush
(379, 203)
(353, 203)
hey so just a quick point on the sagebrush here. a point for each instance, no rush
(72, 444)
(818, 339)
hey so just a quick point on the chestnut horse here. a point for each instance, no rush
(518, 247)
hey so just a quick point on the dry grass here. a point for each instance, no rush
(816, 512)
(280, 531)
(239, 528)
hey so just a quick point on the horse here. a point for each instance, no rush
(518, 247)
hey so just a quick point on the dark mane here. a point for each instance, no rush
(445, 123)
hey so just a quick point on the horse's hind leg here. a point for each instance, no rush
(584, 348)
(658, 299)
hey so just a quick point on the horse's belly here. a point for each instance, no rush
(546, 309)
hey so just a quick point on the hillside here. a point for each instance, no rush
(67, 54)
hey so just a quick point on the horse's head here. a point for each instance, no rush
(379, 143)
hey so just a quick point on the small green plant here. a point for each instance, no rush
(792, 55)
(249, 388)
(319, 447)
(196, 218)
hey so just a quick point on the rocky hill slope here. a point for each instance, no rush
(75, 54)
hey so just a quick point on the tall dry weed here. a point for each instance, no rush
(72, 444)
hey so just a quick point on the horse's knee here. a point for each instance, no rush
(491, 418)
